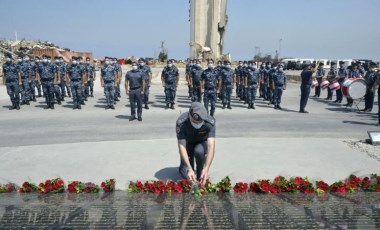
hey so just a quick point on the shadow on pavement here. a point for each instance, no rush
(358, 123)
(170, 173)
(122, 116)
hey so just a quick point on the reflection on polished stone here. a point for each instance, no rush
(120, 210)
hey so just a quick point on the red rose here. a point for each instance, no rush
(264, 186)
(103, 184)
(341, 189)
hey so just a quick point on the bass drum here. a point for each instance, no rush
(334, 86)
(325, 84)
(354, 88)
(314, 84)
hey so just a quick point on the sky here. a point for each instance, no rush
(307, 29)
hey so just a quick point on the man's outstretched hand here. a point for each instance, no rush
(204, 176)
(191, 176)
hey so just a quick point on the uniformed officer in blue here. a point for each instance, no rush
(12, 81)
(370, 77)
(196, 142)
(252, 83)
(226, 84)
(91, 77)
(320, 75)
(266, 89)
(75, 78)
(143, 67)
(84, 70)
(342, 74)
(261, 77)
(209, 85)
(33, 80)
(239, 72)
(47, 75)
(24, 71)
(135, 87)
(278, 85)
(169, 80)
(306, 81)
(35, 69)
(195, 81)
(108, 78)
(331, 77)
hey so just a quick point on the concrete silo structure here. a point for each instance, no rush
(208, 20)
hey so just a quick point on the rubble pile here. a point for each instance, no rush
(26, 47)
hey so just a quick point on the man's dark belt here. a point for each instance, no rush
(211, 88)
(75, 80)
(253, 84)
(134, 88)
(108, 82)
(10, 80)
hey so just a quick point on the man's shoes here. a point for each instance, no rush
(275, 107)
(304, 111)
(146, 106)
(368, 110)
(63, 99)
(132, 118)
(27, 103)
(279, 107)
(378, 124)
(75, 107)
(17, 107)
(52, 106)
(82, 103)
(34, 98)
(47, 107)
(112, 107)
(139, 118)
(224, 106)
(59, 102)
(167, 106)
(172, 106)
(79, 107)
(85, 99)
(117, 99)
(229, 106)
(92, 95)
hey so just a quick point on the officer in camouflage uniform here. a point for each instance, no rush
(261, 80)
(33, 80)
(239, 72)
(320, 75)
(370, 77)
(169, 80)
(12, 81)
(24, 71)
(75, 78)
(108, 81)
(266, 85)
(47, 75)
(252, 82)
(209, 86)
(243, 90)
(91, 76)
(118, 78)
(195, 80)
(331, 76)
(226, 85)
(148, 79)
(342, 74)
(62, 68)
(38, 63)
(84, 85)
(57, 84)
(278, 84)
(189, 68)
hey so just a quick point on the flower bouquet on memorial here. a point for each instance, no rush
(51, 186)
(322, 187)
(299, 184)
(108, 185)
(240, 187)
(27, 187)
(210, 187)
(371, 184)
(224, 185)
(80, 187)
(7, 188)
(154, 186)
(185, 184)
(173, 187)
(135, 187)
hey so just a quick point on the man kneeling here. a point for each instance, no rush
(196, 141)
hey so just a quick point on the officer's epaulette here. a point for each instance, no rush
(181, 119)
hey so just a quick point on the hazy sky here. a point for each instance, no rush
(316, 29)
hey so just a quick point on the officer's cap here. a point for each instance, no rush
(321, 64)
(198, 112)
(74, 58)
(227, 62)
(169, 61)
(48, 57)
(250, 62)
(210, 60)
(80, 58)
(341, 62)
(245, 62)
(280, 65)
(358, 62)
(141, 60)
(354, 64)
(333, 63)
(88, 58)
(268, 63)
(56, 58)
(219, 62)
(134, 63)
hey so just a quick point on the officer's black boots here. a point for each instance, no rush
(253, 106)
(79, 107)
(34, 98)
(229, 106)
(92, 94)
(132, 118)
(82, 103)
(52, 106)
(112, 107)
(224, 106)
(17, 106)
(212, 113)
(47, 106)
(167, 106)
(172, 106)
(146, 106)
(13, 106)
(117, 99)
